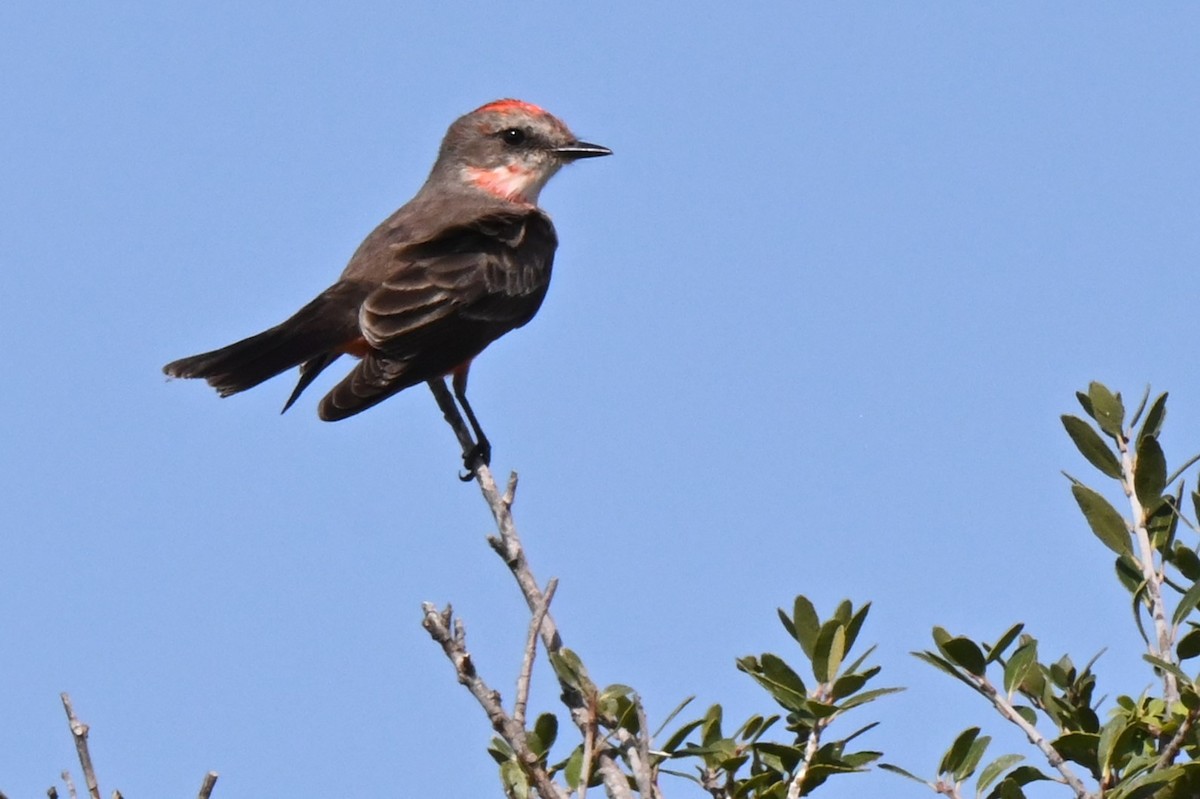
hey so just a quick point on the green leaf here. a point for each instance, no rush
(1079, 747)
(1154, 418)
(867, 696)
(943, 664)
(992, 771)
(1129, 573)
(1141, 406)
(806, 624)
(1186, 604)
(570, 671)
(1114, 744)
(1107, 409)
(1108, 525)
(904, 773)
(1188, 646)
(966, 653)
(1167, 666)
(971, 762)
(500, 750)
(1092, 446)
(545, 730)
(711, 729)
(784, 684)
(1027, 713)
(1085, 403)
(957, 753)
(1150, 472)
(855, 625)
(1185, 559)
(1004, 642)
(572, 768)
(781, 757)
(679, 735)
(1008, 789)
(847, 684)
(829, 651)
(673, 714)
(1020, 666)
(514, 778)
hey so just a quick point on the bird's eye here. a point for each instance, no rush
(513, 136)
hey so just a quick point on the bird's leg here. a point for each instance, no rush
(481, 453)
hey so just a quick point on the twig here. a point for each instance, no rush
(79, 731)
(1176, 743)
(507, 545)
(1162, 645)
(449, 632)
(1034, 735)
(66, 776)
(615, 781)
(589, 754)
(206, 787)
(52, 792)
(639, 753)
(526, 674)
(810, 754)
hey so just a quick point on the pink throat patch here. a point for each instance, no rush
(508, 182)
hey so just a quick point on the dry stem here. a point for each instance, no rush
(79, 731)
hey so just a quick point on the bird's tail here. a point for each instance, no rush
(317, 332)
(246, 363)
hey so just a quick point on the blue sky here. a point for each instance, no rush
(811, 330)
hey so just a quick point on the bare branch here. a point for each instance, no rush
(1176, 743)
(1006, 709)
(639, 753)
(66, 776)
(206, 787)
(449, 632)
(615, 781)
(531, 649)
(507, 545)
(79, 731)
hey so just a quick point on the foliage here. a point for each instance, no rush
(1136, 747)
(1148, 744)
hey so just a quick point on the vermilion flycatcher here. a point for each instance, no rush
(462, 263)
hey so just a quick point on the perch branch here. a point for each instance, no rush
(206, 787)
(79, 731)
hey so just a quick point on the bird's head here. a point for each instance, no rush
(509, 149)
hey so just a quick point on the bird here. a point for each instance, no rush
(463, 262)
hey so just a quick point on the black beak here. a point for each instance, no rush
(581, 149)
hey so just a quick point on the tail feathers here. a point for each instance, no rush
(246, 363)
(308, 373)
(314, 336)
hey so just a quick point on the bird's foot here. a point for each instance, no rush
(479, 455)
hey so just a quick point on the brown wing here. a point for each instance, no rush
(443, 302)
